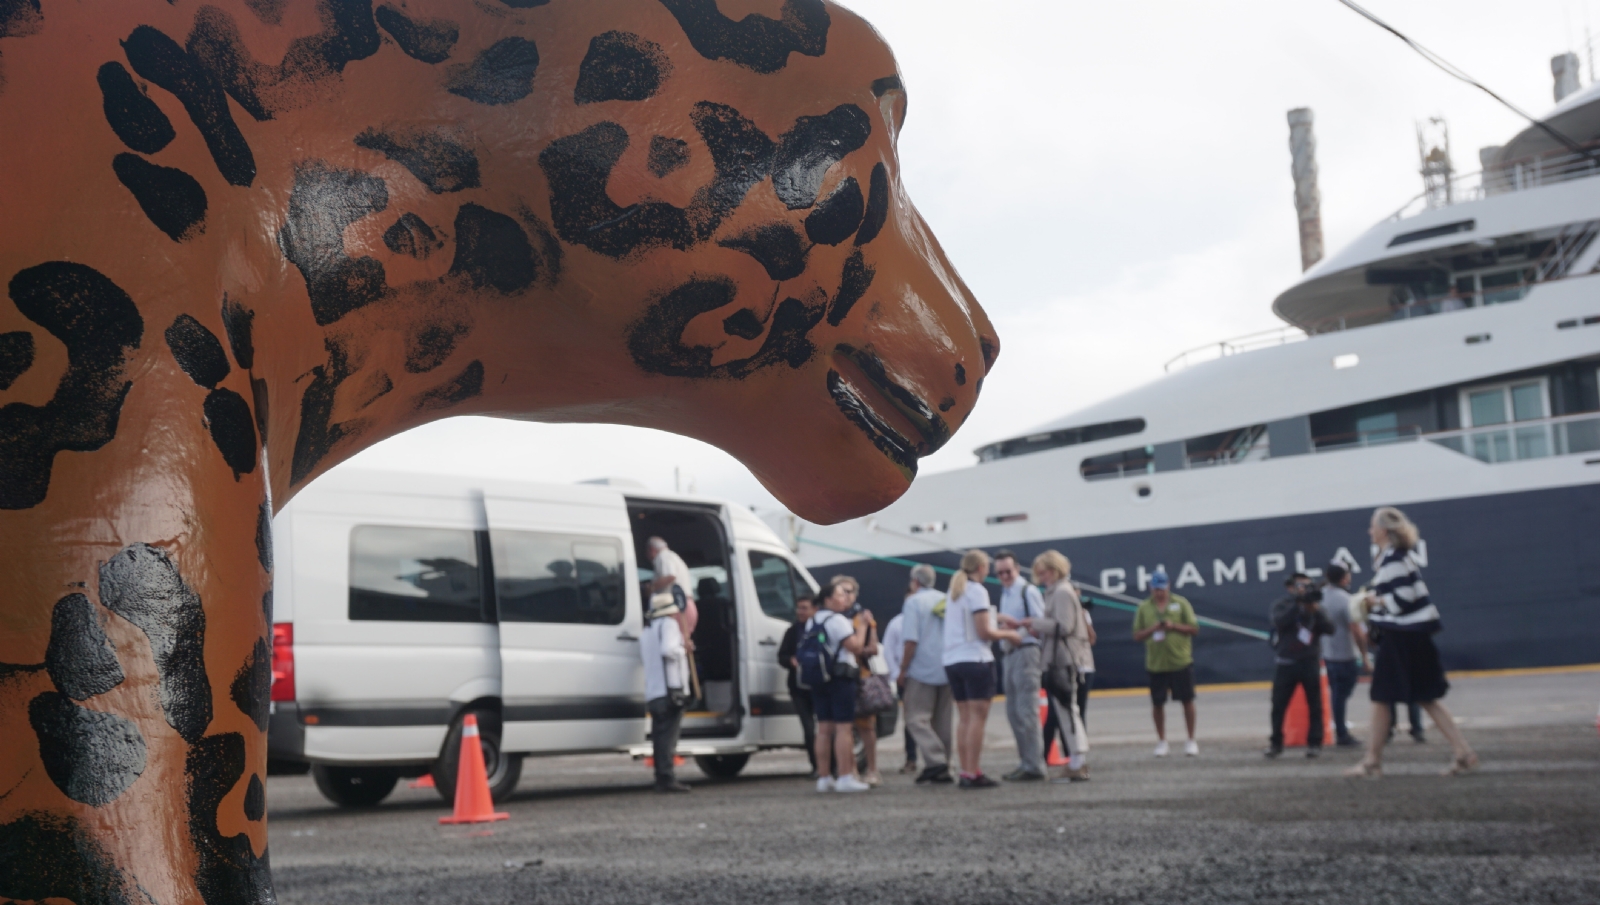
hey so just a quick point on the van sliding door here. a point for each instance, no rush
(569, 628)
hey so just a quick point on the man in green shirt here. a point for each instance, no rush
(1165, 623)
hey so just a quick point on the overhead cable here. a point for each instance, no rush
(1455, 72)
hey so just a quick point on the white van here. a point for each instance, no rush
(404, 602)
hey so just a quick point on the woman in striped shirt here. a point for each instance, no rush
(1408, 668)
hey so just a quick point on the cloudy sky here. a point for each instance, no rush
(1112, 180)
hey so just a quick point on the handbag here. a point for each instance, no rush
(874, 696)
(877, 665)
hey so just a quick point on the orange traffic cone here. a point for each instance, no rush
(473, 804)
(1297, 720)
(425, 781)
(677, 760)
(1053, 757)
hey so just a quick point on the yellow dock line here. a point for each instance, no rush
(1454, 674)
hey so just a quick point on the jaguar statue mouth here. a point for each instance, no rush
(900, 424)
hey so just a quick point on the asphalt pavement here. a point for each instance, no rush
(1225, 827)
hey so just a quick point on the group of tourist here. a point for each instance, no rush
(936, 662)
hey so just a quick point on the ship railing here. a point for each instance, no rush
(1405, 433)
(1516, 441)
(1211, 351)
(1512, 176)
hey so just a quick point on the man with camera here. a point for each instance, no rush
(1297, 622)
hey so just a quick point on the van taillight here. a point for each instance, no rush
(283, 661)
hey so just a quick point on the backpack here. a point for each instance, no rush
(818, 665)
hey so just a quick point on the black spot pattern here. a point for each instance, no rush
(493, 250)
(269, 12)
(156, 57)
(502, 74)
(467, 384)
(47, 856)
(666, 155)
(81, 660)
(578, 167)
(853, 284)
(255, 799)
(318, 432)
(133, 116)
(237, 321)
(90, 755)
(232, 429)
(888, 441)
(16, 356)
(777, 246)
(197, 351)
(431, 345)
(961, 375)
(428, 40)
(743, 324)
(836, 218)
(806, 152)
(264, 536)
(877, 205)
(754, 42)
(19, 18)
(412, 236)
(655, 339)
(142, 585)
(621, 66)
(99, 324)
(348, 33)
(251, 690)
(438, 162)
(883, 86)
(228, 871)
(524, 4)
(171, 198)
(322, 204)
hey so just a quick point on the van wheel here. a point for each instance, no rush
(721, 766)
(353, 787)
(504, 770)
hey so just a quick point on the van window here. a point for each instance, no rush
(558, 578)
(414, 575)
(777, 585)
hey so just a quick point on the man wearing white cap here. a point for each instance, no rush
(666, 684)
(1166, 624)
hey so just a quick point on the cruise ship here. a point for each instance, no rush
(1444, 362)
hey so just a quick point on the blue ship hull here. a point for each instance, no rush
(1516, 578)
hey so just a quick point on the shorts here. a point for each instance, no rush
(1179, 683)
(971, 681)
(835, 701)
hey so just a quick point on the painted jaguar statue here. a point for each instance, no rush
(241, 240)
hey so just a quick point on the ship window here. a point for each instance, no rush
(1223, 448)
(1129, 462)
(1509, 405)
(1070, 436)
(1434, 232)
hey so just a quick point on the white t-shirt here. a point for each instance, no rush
(665, 663)
(838, 629)
(961, 641)
(670, 563)
(894, 645)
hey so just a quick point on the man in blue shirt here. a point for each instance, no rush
(925, 687)
(1020, 600)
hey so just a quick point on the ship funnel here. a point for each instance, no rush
(1564, 67)
(1307, 199)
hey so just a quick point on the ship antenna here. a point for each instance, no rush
(1454, 72)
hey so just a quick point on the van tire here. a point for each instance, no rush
(721, 766)
(354, 787)
(504, 770)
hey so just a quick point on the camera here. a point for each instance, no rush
(1309, 597)
(855, 610)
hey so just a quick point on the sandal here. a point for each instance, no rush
(1462, 766)
(1365, 770)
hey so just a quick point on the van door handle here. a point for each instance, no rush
(627, 637)
(768, 642)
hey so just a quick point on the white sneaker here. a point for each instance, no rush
(825, 784)
(1161, 748)
(1190, 749)
(850, 784)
